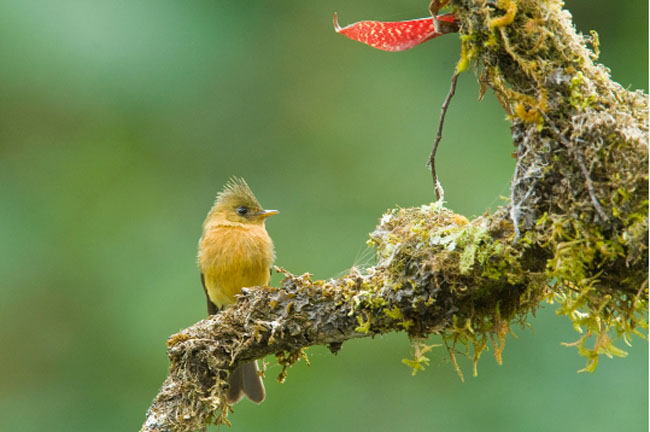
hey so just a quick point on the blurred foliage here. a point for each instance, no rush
(119, 122)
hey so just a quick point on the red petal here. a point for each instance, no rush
(449, 17)
(392, 36)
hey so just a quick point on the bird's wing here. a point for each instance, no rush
(212, 308)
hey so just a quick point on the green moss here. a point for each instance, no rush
(595, 265)
(598, 312)
(468, 52)
(364, 326)
(471, 267)
(581, 96)
(419, 360)
(287, 359)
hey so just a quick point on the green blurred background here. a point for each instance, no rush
(120, 121)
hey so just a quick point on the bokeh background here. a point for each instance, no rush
(119, 122)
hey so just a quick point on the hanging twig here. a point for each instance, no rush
(440, 193)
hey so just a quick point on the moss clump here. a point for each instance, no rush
(580, 187)
(463, 279)
(602, 305)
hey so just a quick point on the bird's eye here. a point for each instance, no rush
(242, 211)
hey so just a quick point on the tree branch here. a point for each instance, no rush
(575, 231)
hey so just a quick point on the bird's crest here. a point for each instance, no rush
(236, 192)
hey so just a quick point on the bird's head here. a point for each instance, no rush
(237, 203)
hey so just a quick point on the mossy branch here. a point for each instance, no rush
(575, 232)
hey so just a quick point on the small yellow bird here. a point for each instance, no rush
(235, 251)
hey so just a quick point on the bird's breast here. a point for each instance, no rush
(232, 257)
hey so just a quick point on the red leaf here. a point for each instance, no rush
(393, 36)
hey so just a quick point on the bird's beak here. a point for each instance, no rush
(266, 213)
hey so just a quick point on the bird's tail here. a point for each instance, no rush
(245, 381)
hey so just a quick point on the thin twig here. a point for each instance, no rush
(583, 167)
(440, 193)
(590, 187)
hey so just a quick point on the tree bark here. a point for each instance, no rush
(575, 231)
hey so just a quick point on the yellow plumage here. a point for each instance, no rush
(232, 256)
(235, 251)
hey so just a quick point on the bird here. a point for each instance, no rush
(235, 251)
